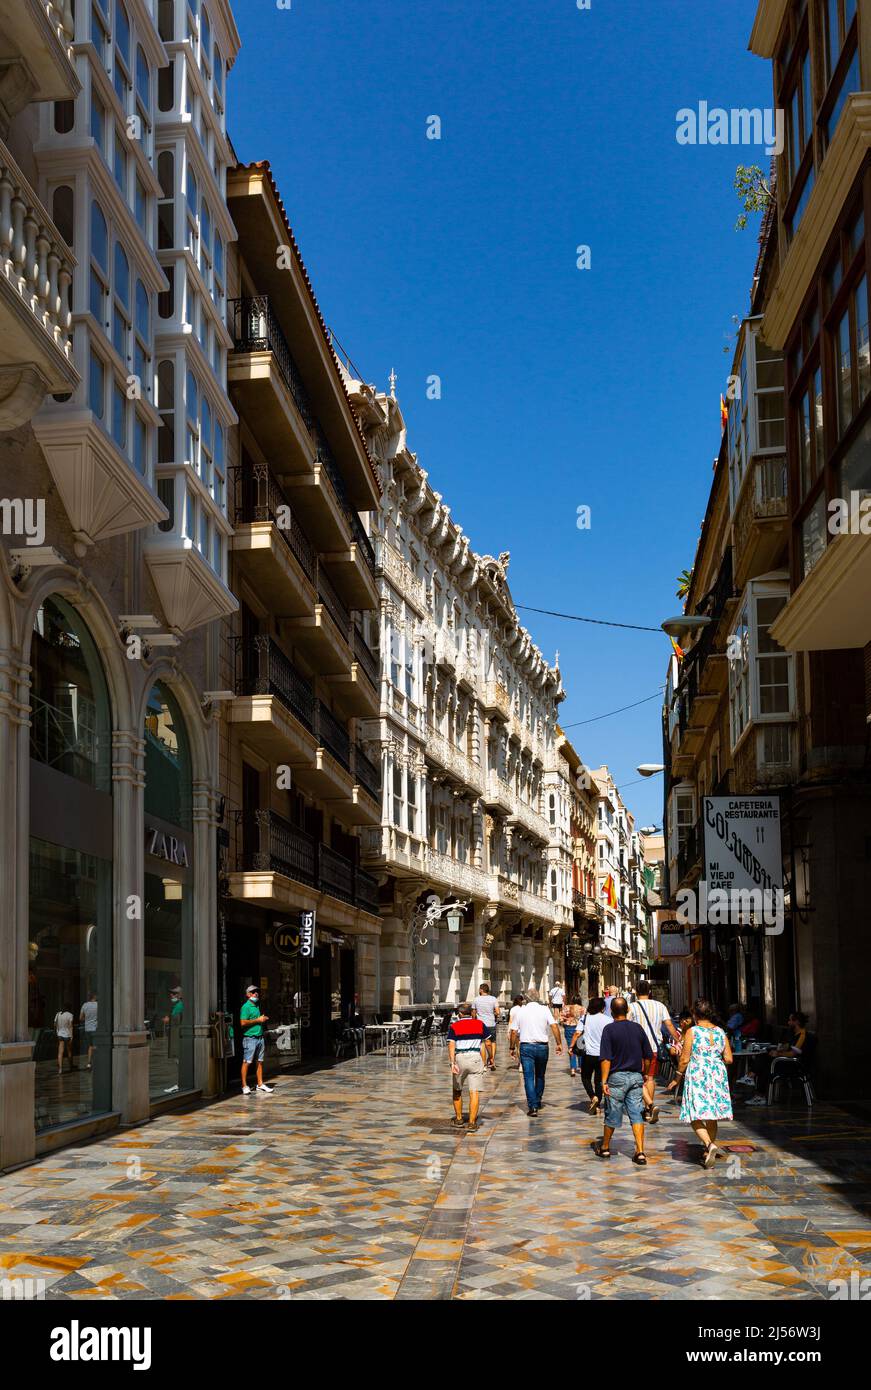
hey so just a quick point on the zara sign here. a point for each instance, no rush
(168, 847)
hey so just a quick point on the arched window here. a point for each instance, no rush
(69, 956)
(143, 84)
(69, 701)
(169, 889)
(142, 357)
(64, 116)
(166, 407)
(121, 308)
(63, 212)
(99, 265)
(166, 204)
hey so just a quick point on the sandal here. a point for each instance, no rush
(457, 1124)
(709, 1157)
(594, 1107)
(598, 1149)
(640, 1159)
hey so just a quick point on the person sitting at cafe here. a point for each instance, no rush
(781, 1060)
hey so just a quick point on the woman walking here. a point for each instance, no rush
(590, 1028)
(570, 1017)
(516, 1006)
(703, 1060)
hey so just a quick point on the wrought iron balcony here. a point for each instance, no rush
(258, 497)
(262, 668)
(333, 736)
(366, 773)
(270, 844)
(364, 656)
(333, 604)
(256, 328)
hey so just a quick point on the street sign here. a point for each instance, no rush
(742, 844)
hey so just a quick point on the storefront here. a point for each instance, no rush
(307, 989)
(69, 967)
(168, 901)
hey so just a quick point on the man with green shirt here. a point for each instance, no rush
(251, 1021)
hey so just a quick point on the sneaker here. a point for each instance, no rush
(472, 1127)
(532, 1112)
(457, 1124)
(246, 1090)
(757, 1100)
(745, 1081)
(267, 1090)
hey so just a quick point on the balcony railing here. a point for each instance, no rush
(258, 497)
(256, 329)
(37, 264)
(262, 668)
(333, 604)
(390, 562)
(334, 737)
(366, 773)
(365, 658)
(270, 844)
(454, 759)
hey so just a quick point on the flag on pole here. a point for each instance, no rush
(724, 413)
(678, 651)
(609, 892)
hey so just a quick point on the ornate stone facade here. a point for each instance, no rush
(467, 735)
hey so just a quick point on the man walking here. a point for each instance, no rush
(251, 1021)
(467, 1051)
(487, 1010)
(625, 1057)
(653, 1016)
(533, 1025)
(557, 998)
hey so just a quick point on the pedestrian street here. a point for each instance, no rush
(350, 1183)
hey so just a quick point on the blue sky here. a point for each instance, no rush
(457, 257)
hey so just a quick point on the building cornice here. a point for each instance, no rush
(766, 27)
(839, 172)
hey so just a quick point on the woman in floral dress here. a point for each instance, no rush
(703, 1060)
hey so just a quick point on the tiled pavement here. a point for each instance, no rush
(351, 1184)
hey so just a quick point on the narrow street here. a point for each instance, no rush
(351, 1183)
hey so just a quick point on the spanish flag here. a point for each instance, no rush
(609, 892)
(678, 651)
(724, 414)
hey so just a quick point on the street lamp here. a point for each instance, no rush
(686, 622)
(430, 913)
(650, 769)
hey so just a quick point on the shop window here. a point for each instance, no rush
(168, 915)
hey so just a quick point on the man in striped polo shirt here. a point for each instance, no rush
(467, 1050)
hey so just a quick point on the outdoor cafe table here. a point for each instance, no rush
(747, 1053)
(388, 1029)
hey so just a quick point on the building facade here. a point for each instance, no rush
(114, 231)
(466, 735)
(296, 657)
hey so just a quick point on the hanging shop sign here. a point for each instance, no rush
(171, 848)
(307, 933)
(742, 844)
(674, 940)
(285, 939)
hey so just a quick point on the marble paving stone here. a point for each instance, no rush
(351, 1185)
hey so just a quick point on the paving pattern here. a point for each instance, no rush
(351, 1184)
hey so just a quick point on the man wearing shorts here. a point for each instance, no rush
(625, 1055)
(652, 1016)
(487, 1009)
(251, 1021)
(467, 1050)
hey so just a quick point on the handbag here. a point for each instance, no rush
(662, 1051)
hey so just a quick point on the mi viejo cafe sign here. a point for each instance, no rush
(742, 879)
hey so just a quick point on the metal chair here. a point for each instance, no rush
(786, 1070)
(425, 1034)
(440, 1034)
(407, 1043)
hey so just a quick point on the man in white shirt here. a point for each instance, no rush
(533, 1025)
(653, 1017)
(557, 998)
(486, 1008)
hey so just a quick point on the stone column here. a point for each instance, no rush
(367, 973)
(449, 964)
(472, 959)
(515, 958)
(528, 961)
(130, 1053)
(17, 1070)
(397, 987)
(501, 976)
